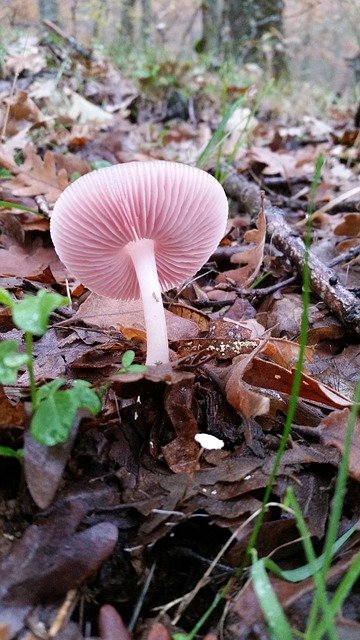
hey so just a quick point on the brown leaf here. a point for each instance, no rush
(350, 226)
(250, 258)
(239, 394)
(27, 262)
(4, 632)
(111, 626)
(44, 466)
(11, 414)
(332, 434)
(247, 606)
(24, 108)
(36, 176)
(104, 313)
(182, 454)
(158, 631)
(262, 373)
(275, 163)
(27, 577)
(182, 310)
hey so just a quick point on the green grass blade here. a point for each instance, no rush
(341, 593)
(15, 205)
(336, 509)
(271, 608)
(306, 571)
(311, 558)
(220, 134)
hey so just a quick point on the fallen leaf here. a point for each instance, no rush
(250, 258)
(158, 632)
(22, 108)
(26, 575)
(111, 626)
(275, 163)
(84, 111)
(350, 226)
(248, 402)
(26, 262)
(11, 414)
(127, 315)
(44, 466)
(262, 373)
(182, 453)
(36, 176)
(332, 434)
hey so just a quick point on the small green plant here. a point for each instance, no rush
(127, 365)
(53, 408)
(8, 452)
(56, 409)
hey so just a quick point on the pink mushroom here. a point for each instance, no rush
(136, 229)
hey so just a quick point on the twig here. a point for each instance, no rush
(141, 598)
(246, 193)
(341, 198)
(82, 51)
(64, 613)
(350, 254)
(341, 301)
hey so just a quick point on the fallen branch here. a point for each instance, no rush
(239, 188)
(323, 280)
(341, 301)
(74, 44)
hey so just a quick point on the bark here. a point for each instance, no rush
(323, 279)
(49, 10)
(127, 21)
(254, 32)
(211, 26)
(146, 21)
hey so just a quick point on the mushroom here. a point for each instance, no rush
(136, 229)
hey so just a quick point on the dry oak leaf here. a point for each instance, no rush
(251, 259)
(105, 313)
(333, 432)
(24, 108)
(239, 394)
(269, 375)
(27, 262)
(275, 163)
(36, 176)
(350, 226)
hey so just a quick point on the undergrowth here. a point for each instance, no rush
(323, 610)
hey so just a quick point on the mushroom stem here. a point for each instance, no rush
(143, 257)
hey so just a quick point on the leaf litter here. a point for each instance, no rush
(130, 509)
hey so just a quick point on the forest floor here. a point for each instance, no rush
(130, 528)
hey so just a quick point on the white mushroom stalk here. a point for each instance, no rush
(138, 229)
(143, 257)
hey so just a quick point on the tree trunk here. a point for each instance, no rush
(211, 27)
(127, 21)
(254, 29)
(48, 10)
(146, 21)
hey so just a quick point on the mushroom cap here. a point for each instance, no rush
(181, 208)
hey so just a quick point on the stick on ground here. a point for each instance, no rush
(341, 301)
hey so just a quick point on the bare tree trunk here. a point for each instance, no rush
(211, 27)
(127, 21)
(48, 10)
(255, 30)
(146, 21)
